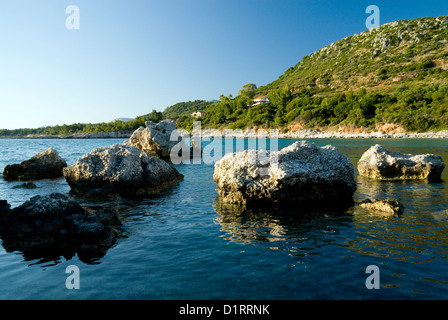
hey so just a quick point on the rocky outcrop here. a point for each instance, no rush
(160, 140)
(56, 222)
(120, 169)
(45, 165)
(382, 164)
(386, 208)
(301, 173)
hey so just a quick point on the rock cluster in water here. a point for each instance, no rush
(305, 173)
(302, 172)
(382, 164)
(45, 165)
(56, 222)
(121, 169)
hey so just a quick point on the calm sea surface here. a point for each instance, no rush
(184, 245)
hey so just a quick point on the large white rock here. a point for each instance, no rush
(382, 164)
(159, 139)
(122, 169)
(301, 172)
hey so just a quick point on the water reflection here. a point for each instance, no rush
(54, 255)
(418, 235)
(41, 237)
(417, 193)
(301, 232)
(51, 257)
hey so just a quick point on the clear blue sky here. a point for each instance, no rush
(130, 57)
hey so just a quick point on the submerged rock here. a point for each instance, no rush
(120, 169)
(54, 221)
(160, 140)
(301, 172)
(385, 208)
(45, 165)
(441, 215)
(380, 163)
(26, 185)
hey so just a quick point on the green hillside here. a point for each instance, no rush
(185, 109)
(394, 74)
(389, 55)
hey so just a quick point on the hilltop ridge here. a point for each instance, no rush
(388, 54)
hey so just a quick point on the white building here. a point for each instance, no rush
(261, 100)
(198, 114)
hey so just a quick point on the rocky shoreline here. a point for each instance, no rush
(320, 134)
(315, 134)
(248, 133)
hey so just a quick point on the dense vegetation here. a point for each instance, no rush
(185, 109)
(386, 56)
(418, 108)
(394, 74)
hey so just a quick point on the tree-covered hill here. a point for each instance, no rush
(185, 109)
(396, 52)
(393, 74)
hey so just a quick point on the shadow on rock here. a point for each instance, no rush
(45, 165)
(52, 226)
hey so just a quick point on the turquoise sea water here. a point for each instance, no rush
(184, 245)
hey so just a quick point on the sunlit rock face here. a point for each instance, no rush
(120, 169)
(162, 140)
(300, 173)
(382, 164)
(385, 208)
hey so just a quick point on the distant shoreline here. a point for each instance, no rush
(94, 135)
(365, 135)
(250, 133)
(331, 134)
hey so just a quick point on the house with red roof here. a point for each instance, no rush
(261, 100)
